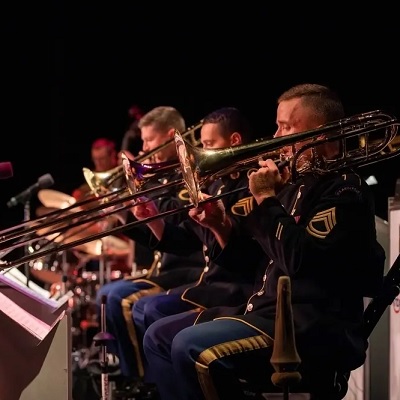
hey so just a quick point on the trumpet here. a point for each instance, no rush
(362, 139)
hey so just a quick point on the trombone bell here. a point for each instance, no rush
(199, 165)
(101, 183)
(137, 174)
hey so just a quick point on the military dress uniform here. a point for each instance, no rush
(167, 270)
(217, 285)
(319, 231)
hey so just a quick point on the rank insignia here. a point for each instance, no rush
(322, 223)
(243, 207)
(184, 195)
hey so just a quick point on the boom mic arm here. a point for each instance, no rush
(43, 182)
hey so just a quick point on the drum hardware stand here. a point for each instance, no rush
(27, 216)
(102, 339)
(65, 268)
(104, 265)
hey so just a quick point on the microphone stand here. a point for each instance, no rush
(102, 339)
(27, 216)
(284, 358)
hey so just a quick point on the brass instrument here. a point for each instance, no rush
(136, 174)
(363, 139)
(102, 182)
(93, 209)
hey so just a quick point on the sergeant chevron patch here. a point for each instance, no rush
(243, 207)
(322, 223)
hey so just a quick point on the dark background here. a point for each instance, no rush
(70, 72)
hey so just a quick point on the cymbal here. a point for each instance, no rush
(55, 199)
(109, 245)
(42, 210)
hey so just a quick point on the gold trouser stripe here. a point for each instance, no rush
(126, 305)
(222, 350)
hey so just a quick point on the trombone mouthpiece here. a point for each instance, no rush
(283, 163)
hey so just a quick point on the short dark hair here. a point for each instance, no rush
(321, 99)
(230, 120)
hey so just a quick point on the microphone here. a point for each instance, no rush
(6, 170)
(43, 182)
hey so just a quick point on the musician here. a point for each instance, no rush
(104, 157)
(157, 128)
(320, 231)
(225, 127)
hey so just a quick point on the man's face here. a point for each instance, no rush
(152, 138)
(211, 137)
(292, 117)
(103, 159)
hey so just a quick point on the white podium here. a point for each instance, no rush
(35, 345)
(394, 311)
(370, 381)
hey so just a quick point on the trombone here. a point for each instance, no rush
(105, 205)
(363, 139)
(102, 182)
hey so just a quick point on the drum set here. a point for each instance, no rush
(82, 269)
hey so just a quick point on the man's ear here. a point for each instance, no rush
(171, 133)
(236, 139)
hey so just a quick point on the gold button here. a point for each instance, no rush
(249, 307)
(206, 269)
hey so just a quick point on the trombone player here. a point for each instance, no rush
(319, 230)
(157, 128)
(104, 157)
(224, 128)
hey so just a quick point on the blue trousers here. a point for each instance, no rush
(204, 361)
(152, 308)
(120, 296)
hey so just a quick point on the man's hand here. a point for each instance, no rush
(145, 208)
(209, 215)
(267, 180)
(212, 215)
